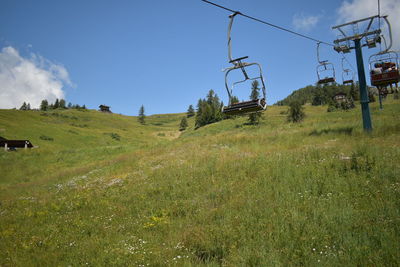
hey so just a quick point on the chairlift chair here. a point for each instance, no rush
(325, 70)
(347, 77)
(244, 107)
(372, 41)
(384, 66)
(347, 74)
(384, 69)
(326, 73)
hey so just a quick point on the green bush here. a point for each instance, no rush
(46, 138)
(114, 136)
(296, 112)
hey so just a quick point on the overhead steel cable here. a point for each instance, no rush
(267, 23)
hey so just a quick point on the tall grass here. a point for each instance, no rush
(281, 194)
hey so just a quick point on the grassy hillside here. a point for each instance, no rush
(69, 140)
(281, 194)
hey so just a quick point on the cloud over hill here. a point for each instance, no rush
(29, 79)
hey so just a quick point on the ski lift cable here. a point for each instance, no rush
(276, 26)
(267, 23)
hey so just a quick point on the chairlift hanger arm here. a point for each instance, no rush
(319, 60)
(369, 25)
(231, 18)
(390, 35)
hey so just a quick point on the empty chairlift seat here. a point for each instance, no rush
(245, 107)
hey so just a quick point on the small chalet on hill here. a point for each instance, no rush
(13, 144)
(340, 97)
(104, 108)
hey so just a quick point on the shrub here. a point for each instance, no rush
(296, 113)
(115, 136)
(183, 125)
(46, 138)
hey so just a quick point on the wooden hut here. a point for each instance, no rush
(340, 97)
(104, 108)
(13, 144)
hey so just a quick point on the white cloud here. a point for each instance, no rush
(303, 22)
(357, 9)
(29, 79)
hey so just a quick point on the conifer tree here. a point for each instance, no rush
(208, 110)
(254, 118)
(190, 112)
(199, 114)
(28, 106)
(44, 105)
(296, 112)
(62, 103)
(215, 107)
(142, 116)
(56, 104)
(183, 125)
(23, 107)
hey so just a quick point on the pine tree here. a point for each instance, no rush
(28, 106)
(44, 105)
(56, 104)
(215, 107)
(23, 107)
(296, 113)
(190, 112)
(199, 114)
(62, 103)
(254, 118)
(183, 125)
(208, 110)
(318, 98)
(142, 116)
(69, 105)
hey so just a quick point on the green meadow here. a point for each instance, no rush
(102, 189)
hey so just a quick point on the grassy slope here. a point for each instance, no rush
(275, 194)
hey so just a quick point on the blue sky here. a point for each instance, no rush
(162, 54)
